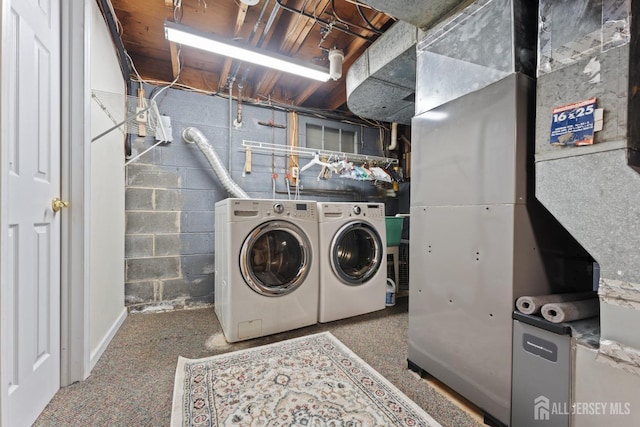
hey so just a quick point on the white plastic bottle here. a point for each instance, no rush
(391, 292)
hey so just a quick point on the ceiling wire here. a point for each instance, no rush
(177, 13)
(318, 20)
(115, 18)
(364, 18)
(344, 21)
(298, 18)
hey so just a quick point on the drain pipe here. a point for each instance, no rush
(230, 122)
(192, 135)
(394, 137)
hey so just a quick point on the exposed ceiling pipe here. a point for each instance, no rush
(234, 73)
(193, 135)
(344, 21)
(263, 35)
(323, 22)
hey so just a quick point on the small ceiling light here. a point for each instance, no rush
(186, 36)
(250, 2)
(335, 63)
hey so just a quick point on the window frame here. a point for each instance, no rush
(333, 125)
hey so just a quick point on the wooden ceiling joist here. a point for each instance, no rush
(297, 32)
(175, 61)
(290, 33)
(240, 20)
(349, 57)
(242, 15)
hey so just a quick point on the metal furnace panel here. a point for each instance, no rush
(473, 150)
(473, 262)
(542, 363)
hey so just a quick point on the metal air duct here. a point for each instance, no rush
(192, 135)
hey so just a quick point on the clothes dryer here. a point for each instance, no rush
(353, 270)
(266, 266)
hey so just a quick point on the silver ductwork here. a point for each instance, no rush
(192, 135)
(382, 82)
(421, 13)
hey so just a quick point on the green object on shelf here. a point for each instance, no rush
(394, 230)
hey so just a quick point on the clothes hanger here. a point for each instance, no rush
(315, 161)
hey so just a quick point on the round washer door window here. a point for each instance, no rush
(356, 253)
(275, 258)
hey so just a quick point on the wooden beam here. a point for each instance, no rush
(224, 75)
(297, 31)
(242, 15)
(336, 97)
(153, 68)
(199, 79)
(156, 69)
(301, 28)
(175, 61)
(354, 51)
(240, 18)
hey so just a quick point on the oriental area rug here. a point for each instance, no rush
(312, 381)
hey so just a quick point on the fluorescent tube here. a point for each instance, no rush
(186, 36)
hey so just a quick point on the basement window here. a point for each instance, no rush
(327, 138)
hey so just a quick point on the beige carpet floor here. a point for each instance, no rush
(132, 383)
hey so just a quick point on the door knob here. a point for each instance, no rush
(58, 204)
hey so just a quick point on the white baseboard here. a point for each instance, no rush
(104, 343)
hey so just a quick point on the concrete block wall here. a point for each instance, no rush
(171, 192)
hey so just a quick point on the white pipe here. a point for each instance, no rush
(192, 135)
(394, 137)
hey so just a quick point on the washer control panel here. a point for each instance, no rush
(306, 210)
(278, 207)
(289, 209)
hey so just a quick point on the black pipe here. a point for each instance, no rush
(326, 23)
(263, 35)
(373, 28)
(113, 29)
(234, 74)
(369, 28)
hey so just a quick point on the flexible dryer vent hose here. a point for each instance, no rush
(194, 136)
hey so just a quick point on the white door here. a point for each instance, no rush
(30, 239)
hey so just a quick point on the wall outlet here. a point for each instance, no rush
(295, 172)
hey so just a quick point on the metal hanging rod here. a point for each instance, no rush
(269, 148)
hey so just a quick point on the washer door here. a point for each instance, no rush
(356, 253)
(275, 258)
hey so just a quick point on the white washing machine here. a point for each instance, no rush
(266, 266)
(353, 263)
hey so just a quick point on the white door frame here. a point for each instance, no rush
(76, 162)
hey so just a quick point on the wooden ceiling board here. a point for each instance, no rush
(305, 38)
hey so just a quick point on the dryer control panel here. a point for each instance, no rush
(337, 211)
(371, 210)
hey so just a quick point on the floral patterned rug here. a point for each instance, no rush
(312, 381)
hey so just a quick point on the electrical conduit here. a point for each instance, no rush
(192, 135)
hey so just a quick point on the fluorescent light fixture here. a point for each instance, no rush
(186, 36)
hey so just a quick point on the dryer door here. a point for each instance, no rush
(356, 253)
(275, 258)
